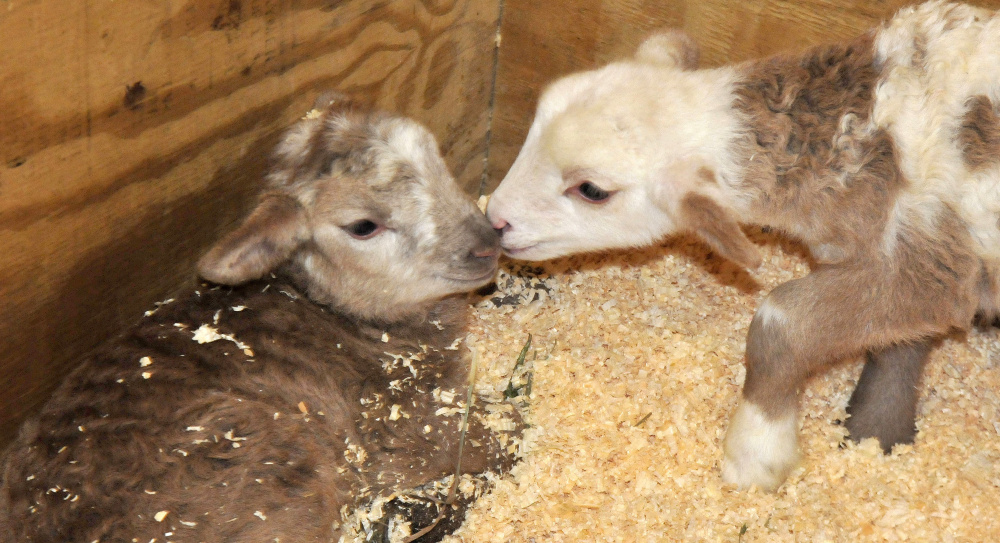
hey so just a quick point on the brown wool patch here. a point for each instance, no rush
(979, 135)
(796, 105)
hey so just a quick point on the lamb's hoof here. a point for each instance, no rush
(887, 436)
(759, 451)
(745, 473)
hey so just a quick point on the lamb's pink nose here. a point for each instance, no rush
(486, 253)
(500, 225)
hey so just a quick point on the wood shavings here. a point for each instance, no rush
(445, 396)
(229, 435)
(355, 453)
(157, 307)
(449, 411)
(394, 517)
(636, 364)
(520, 285)
(161, 515)
(145, 361)
(208, 334)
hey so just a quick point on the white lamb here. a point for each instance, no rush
(882, 155)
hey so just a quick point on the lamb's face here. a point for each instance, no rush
(390, 227)
(592, 169)
(626, 154)
(363, 209)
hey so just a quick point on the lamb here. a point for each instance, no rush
(881, 155)
(317, 369)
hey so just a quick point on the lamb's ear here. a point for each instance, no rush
(716, 226)
(671, 48)
(266, 239)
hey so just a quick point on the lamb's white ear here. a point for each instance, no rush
(671, 48)
(716, 225)
(266, 239)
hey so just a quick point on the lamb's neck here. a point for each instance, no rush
(810, 161)
(709, 145)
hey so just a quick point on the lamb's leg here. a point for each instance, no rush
(761, 445)
(884, 404)
(803, 326)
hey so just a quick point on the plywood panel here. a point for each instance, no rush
(543, 40)
(133, 133)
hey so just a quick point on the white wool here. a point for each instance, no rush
(922, 108)
(769, 313)
(758, 450)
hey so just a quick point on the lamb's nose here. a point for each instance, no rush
(501, 225)
(486, 252)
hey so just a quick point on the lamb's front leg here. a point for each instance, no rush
(803, 326)
(761, 445)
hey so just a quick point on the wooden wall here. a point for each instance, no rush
(133, 132)
(543, 40)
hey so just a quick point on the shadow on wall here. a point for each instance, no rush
(133, 271)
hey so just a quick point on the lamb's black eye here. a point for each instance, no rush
(363, 229)
(592, 193)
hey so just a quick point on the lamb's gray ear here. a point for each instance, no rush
(265, 239)
(671, 48)
(716, 225)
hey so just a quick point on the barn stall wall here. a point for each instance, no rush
(133, 133)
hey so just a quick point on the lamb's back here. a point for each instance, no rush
(227, 403)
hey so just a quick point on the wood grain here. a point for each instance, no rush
(544, 40)
(133, 133)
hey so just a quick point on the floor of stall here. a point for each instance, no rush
(637, 362)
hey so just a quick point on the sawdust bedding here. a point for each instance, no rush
(635, 363)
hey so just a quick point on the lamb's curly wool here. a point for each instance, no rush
(286, 413)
